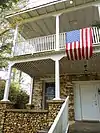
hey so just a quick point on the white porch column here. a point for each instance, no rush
(57, 80)
(14, 40)
(57, 32)
(57, 59)
(7, 86)
(31, 92)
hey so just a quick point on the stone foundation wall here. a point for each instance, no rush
(2, 117)
(24, 121)
(66, 89)
(54, 107)
(37, 94)
(27, 120)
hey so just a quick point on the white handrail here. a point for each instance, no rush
(60, 124)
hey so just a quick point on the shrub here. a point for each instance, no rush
(19, 97)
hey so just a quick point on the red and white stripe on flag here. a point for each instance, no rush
(79, 44)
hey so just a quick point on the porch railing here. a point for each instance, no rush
(48, 43)
(60, 124)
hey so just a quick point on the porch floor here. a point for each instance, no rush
(84, 127)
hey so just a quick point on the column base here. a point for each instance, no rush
(57, 99)
(29, 106)
(5, 100)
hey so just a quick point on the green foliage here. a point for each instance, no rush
(7, 3)
(19, 97)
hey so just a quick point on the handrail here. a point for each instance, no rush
(60, 124)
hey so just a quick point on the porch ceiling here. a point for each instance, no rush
(68, 21)
(37, 68)
(47, 67)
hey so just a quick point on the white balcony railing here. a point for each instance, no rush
(48, 43)
(61, 124)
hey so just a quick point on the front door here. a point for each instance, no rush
(49, 91)
(90, 102)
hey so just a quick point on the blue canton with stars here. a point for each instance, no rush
(73, 36)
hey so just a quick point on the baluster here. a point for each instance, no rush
(26, 47)
(93, 35)
(49, 37)
(39, 40)
(60, 40)
(54, 44)
(97, 36)
(38, 47)
(51, 42)
(34, 46)
(41, 43)
(46, 43)
(64, 43)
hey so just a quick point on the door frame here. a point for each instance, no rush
(44, 81)
(77, 97)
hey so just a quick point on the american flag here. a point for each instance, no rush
(79, 44)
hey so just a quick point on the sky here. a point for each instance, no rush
(3, 75)
(25, 85)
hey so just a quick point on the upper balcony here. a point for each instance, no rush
(48, 43)
(44, 27)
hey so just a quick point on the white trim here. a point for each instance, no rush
(77, 102)
(52, 57)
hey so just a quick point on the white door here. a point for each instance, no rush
(89, 102)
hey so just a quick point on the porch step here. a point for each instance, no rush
(42, 131)
(84, 127)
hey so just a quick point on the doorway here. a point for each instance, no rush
(87, 101)
(49, 91)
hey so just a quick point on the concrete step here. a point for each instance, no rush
(42, 131)
(84, 127)
(70, 131)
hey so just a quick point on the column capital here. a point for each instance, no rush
(57, 15)
(10, 64)
(57, 57)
